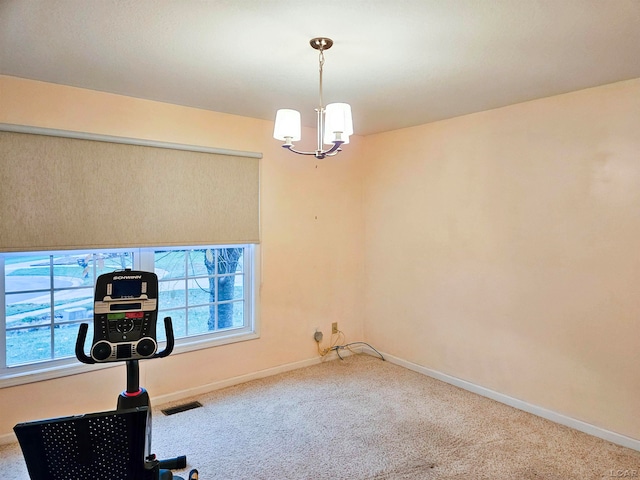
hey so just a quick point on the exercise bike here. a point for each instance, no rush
(124, 330)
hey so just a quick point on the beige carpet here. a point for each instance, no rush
(362, 418)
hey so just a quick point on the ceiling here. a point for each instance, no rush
(397, 62)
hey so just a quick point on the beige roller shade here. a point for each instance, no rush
(70, 193)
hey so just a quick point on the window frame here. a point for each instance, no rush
(143, 258)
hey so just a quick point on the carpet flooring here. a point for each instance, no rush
(365, 419)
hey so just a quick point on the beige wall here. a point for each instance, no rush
(503, 248)
(311, 221)
(499, 247)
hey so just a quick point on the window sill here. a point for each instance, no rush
(68, 367)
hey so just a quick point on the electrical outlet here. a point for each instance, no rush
(334, 328)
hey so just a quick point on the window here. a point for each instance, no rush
(202, 290)
(207, 291)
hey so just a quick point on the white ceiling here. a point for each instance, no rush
(397, 62)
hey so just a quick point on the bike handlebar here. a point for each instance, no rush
(82, 336)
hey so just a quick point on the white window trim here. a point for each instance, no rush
(52, 369)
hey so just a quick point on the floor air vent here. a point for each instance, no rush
(181, 408)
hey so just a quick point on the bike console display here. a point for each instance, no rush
(124, 316)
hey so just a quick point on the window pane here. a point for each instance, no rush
(238, 314)
(229, 289)
(178, 321)
(28, 345)
(72, 270)
(238, 287)
(196, 263)
(27, 309)
(228, 260)
(171, 294)
(27, 274)
(73, 305)
(222, 285)
(230, 315)
(198, 320)
(110, 262)
(170, 263)
(200, 291)
(83, 269)
(64, 339)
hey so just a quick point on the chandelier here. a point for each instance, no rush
(334, 122)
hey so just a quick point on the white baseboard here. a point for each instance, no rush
(8, 438)
(579, 425)
(229, 382)
(210, 387)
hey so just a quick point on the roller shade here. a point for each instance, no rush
(75, 193)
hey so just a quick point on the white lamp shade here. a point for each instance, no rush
(337, 118)
(287, 125)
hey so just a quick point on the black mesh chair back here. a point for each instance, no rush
(96, 446)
